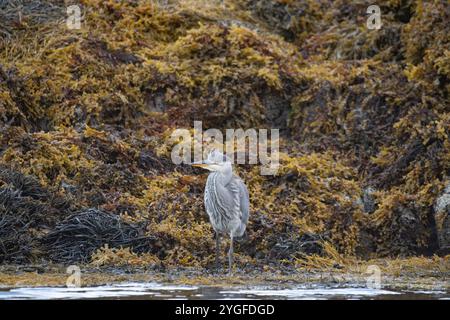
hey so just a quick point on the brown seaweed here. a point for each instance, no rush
(87, 114)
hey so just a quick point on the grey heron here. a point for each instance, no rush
(226, 200)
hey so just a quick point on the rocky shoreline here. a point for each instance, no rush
(86, 116)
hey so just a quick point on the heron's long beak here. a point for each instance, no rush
(201, 164)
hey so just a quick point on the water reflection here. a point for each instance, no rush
(162, 291)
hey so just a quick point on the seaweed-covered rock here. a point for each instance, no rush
(88, 117)
(76, 238)
(27, 212)
(288, 249)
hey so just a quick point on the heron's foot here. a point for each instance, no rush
(235, 270)
(230, 270)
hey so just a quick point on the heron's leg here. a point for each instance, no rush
(217, 250)
(230, 255)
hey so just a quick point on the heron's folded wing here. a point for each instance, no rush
(244, 201)
(239, 193)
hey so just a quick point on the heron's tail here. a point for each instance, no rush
(241, 233)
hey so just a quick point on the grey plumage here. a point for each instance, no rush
(226, 200)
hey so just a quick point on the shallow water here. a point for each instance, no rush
(161, 291)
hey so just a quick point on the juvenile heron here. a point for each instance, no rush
(226, 200)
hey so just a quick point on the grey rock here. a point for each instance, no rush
(155, 102)
(368, 201)
(442, 219)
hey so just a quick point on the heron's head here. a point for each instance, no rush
(216, 161)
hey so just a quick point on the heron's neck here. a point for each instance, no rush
(225, 174)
